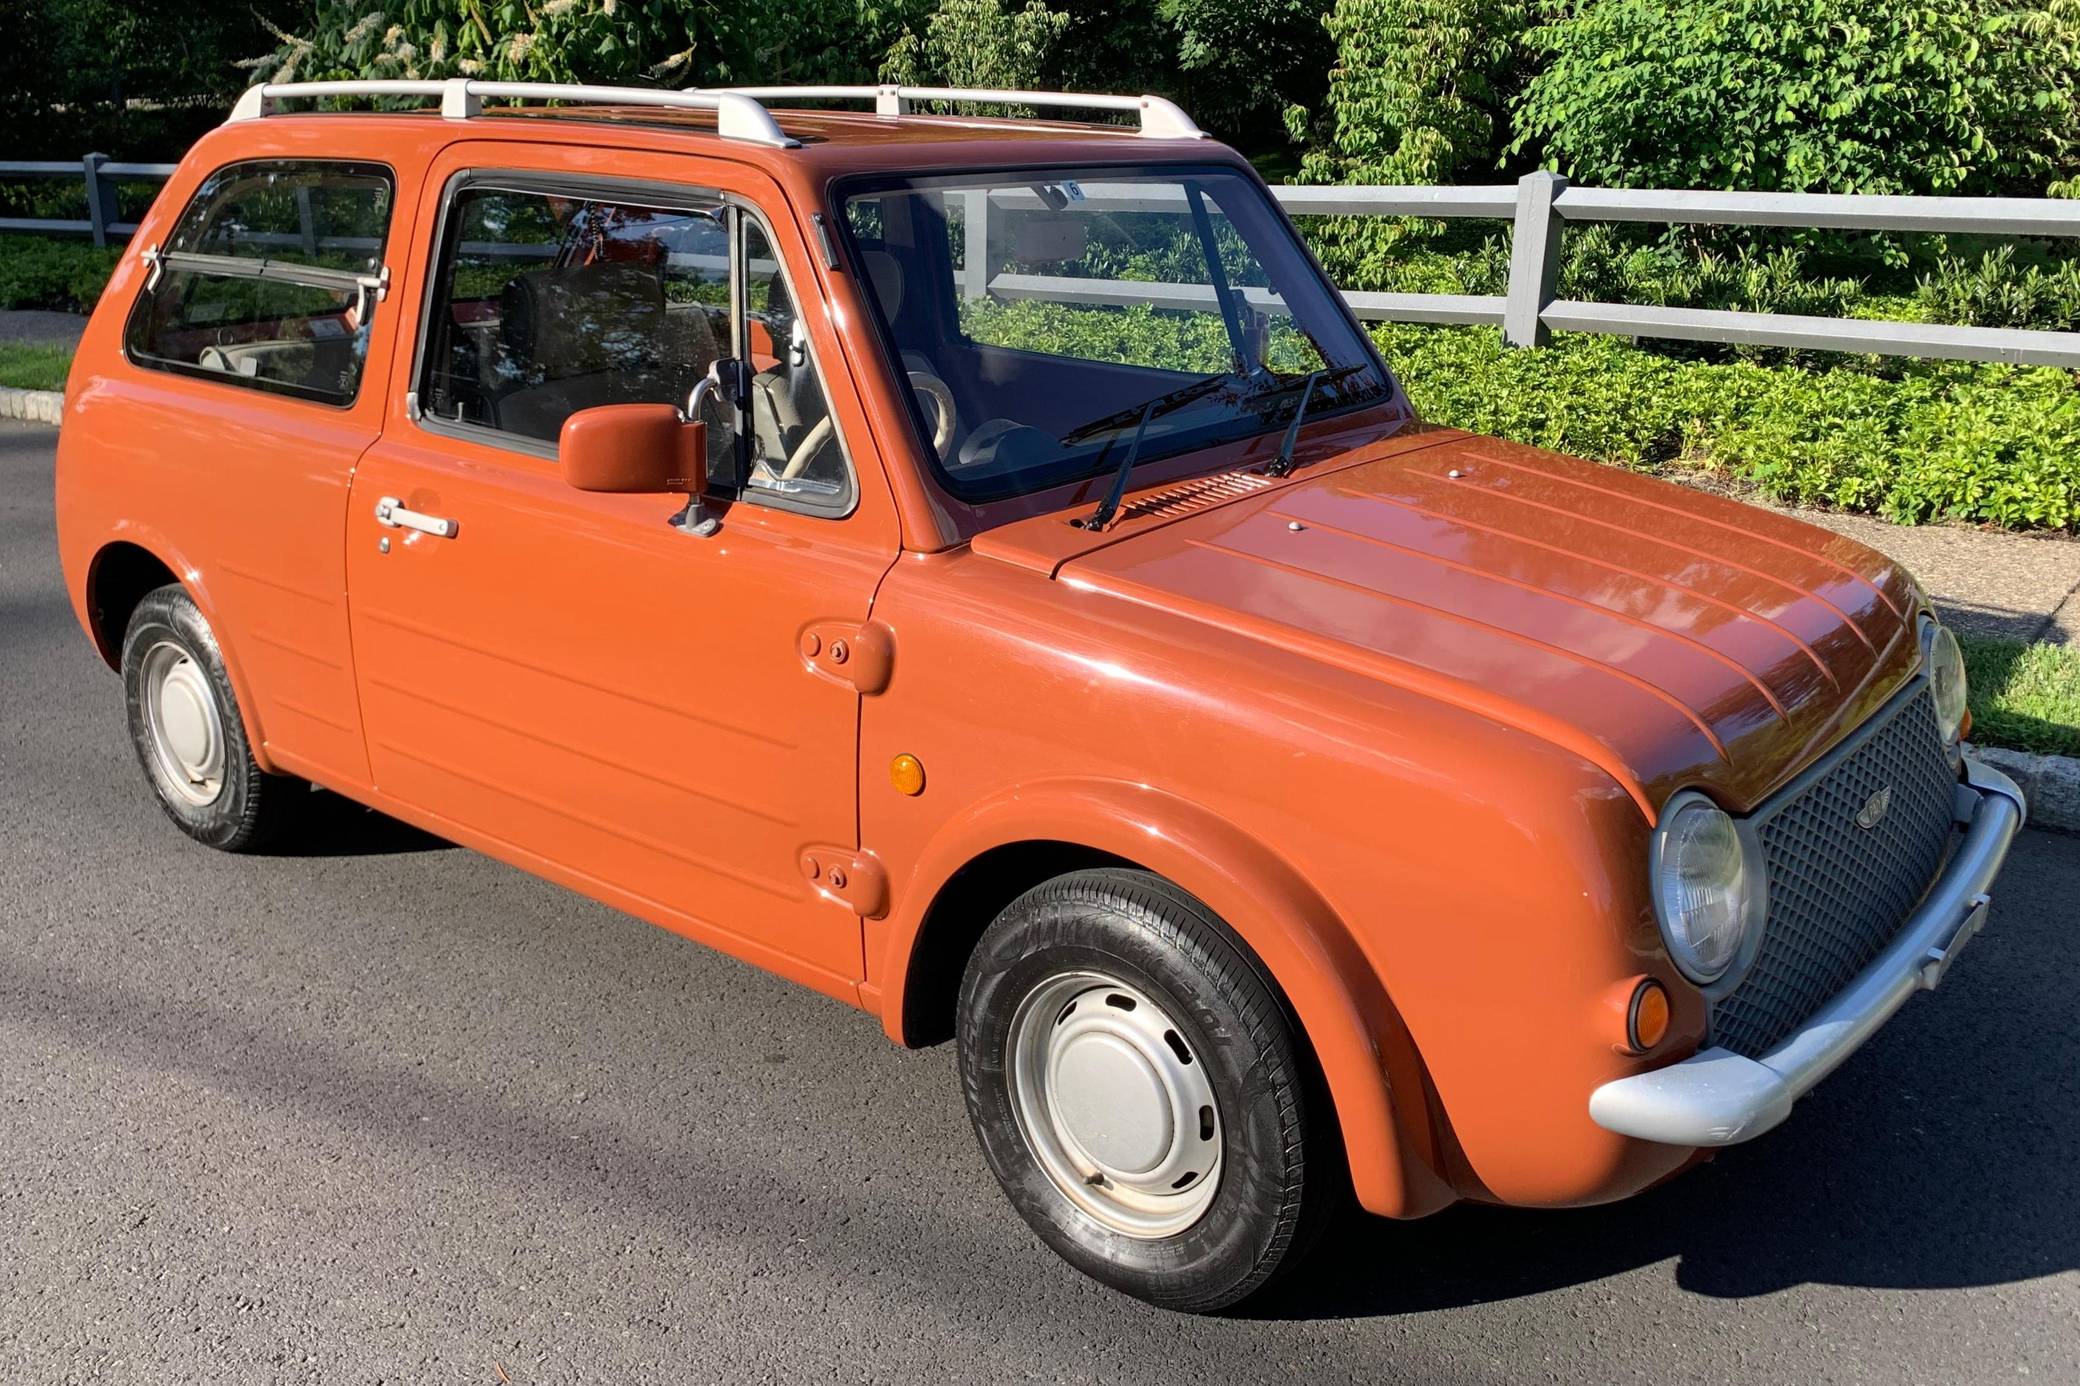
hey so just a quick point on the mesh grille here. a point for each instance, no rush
(1839, 892)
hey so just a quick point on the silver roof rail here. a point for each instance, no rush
(737, 117)
(1160, 119)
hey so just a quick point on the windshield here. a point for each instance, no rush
(1036, 314)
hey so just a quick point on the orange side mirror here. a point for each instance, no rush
(634, 448)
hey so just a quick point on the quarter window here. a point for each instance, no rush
(270, 279)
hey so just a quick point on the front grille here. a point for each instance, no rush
(1839, 892)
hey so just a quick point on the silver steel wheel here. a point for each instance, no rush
(1114, 1105)
(184, 724)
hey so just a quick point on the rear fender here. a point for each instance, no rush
(193, 582)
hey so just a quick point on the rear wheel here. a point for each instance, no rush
(186, 729)
(1139, 1090)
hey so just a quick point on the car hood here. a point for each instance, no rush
(1673, 637)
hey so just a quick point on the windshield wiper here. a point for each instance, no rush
(1161, 404)
(1283, 463)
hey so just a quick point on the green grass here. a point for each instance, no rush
(2023, 696)
(34, 367)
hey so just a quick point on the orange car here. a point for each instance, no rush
(979, 568)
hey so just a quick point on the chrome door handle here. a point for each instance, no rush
(390, 511)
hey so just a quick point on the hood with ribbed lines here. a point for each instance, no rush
(1675, 637)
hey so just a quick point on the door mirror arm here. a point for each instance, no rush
(640, 449)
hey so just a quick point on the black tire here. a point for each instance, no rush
(251, 807)
(1281, 1161)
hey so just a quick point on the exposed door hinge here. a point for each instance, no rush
(862, 654)
(847, 877)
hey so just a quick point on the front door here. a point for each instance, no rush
(569, 679)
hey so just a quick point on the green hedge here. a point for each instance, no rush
(1937, 440)
(47, 272)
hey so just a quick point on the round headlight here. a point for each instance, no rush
(1944, 663)
(1703, 891)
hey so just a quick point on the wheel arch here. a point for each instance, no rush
(121, 573)
(994, 853)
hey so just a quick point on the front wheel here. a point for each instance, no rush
(1139, 1090)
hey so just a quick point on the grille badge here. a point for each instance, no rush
(1874, 809)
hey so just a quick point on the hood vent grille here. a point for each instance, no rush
(1199, 493)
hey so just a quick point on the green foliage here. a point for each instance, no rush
(1418, 93)
(134, 79)
(1943, 440)
(668, 42)
(1134, 336)
(1419, 90)
(46, 272)
(1997, 290)
(977, 43)
(1247, 60)
(1885, 96)
(34, 367)
(2023, 695)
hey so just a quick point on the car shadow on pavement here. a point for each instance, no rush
(332, 825)
(1940, 1156)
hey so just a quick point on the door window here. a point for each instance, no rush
(270, 279)
(547, 301)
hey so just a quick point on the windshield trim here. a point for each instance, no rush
(1014, 486)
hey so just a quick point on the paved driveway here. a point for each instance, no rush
(383, 1110)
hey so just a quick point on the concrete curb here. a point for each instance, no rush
(2050, 783)
(37, 406)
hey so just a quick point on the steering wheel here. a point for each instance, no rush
(935, 390)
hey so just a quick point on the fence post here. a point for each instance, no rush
(101, 198)
(1534, 260)
(975, 248)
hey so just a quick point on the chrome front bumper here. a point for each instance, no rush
(1720, 1098)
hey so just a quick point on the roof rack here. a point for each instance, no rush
(1160, 119)
(737, 116)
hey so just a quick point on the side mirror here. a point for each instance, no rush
(634, 449)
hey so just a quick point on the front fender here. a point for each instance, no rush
(1375, 1080)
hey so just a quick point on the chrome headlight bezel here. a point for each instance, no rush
(1714, 981)
(1942, 664)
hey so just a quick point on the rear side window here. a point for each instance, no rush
(270, 279)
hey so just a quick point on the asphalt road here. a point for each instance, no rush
(379, 1109)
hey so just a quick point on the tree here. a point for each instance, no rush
(675, 43)
(137, 79)
(978, 43)
(1884, 96)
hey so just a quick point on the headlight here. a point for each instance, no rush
(1944, 663)
(1705, 896)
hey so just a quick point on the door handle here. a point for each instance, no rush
(390, 511)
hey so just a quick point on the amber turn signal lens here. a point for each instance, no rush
(1646, 1021)
(906, 773)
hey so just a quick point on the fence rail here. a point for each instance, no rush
(1538, 207)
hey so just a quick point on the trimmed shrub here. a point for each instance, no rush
(45, 272)
(1938, 440)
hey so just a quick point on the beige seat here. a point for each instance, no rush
(574, 337)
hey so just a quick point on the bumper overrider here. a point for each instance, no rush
(1717, 1097)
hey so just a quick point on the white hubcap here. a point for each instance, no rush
(185, 728)
(1115, 1105)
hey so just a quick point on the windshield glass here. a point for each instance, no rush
(1036, 314)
